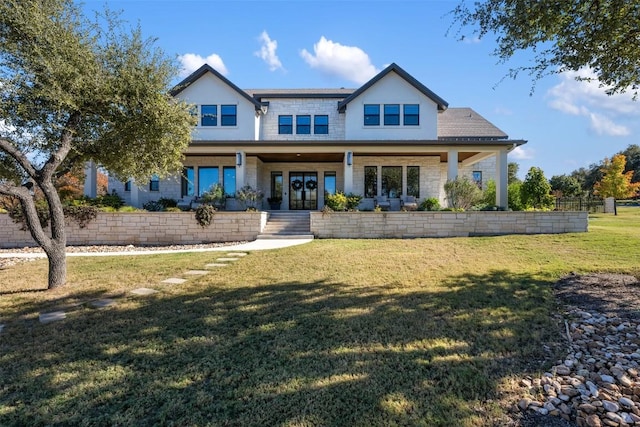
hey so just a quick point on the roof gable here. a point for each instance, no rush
(442, 104)
(206, 68)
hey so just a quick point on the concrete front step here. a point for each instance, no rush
(284, 236)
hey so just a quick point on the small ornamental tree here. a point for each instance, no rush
(615, 181)
(462, 193)
(535, 189)
(71, 91)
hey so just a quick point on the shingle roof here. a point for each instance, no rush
(209, 69)
(456, 123)
(300, 93)
(442, 104)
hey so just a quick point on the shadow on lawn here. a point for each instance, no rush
(285, 354)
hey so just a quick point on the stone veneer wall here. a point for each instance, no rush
(147, 228)
(373, 225)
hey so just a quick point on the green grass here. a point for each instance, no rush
(427, 332)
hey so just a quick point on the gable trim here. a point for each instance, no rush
(442, 104)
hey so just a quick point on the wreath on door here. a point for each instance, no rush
(311, 185)
(296, 185)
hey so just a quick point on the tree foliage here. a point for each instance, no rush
(565, 186)
(535, 190)
(615, 181)
(72, 90)
(602, 35)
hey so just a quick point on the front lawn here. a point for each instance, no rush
(430, 332)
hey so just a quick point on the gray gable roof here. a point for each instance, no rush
(206, 68)
(465, 123)
(442, 104)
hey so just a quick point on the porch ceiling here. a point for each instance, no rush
(339, 157)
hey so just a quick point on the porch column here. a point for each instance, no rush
(134, 194)
(348, 172)
(452, 165)
(90, 179)
(502, 183)
(241, 168)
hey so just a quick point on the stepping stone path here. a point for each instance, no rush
(53, 316)
(174, 281)
(102, 303)
(144, 291)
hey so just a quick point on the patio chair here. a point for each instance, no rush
(409, 203)
(383, 203)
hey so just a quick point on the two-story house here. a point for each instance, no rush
(391, 137)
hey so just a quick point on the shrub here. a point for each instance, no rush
(214, 196)
(429, 204)
(249, 197)
(127, 209)
(535, 190)
(113, 200)
(462, 193)
(336, 202)
(204, 215)
(353, 200)
(82, 215)
(153, 206)
(173, 209)
(167, 202)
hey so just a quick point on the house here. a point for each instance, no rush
(391, 137)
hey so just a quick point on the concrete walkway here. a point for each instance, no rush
(256, 245)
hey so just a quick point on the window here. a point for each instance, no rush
(187, 182)
(477, 178)
(371, 115)
(276, 185)
(391, 114)
(229, 180)
(321, 125)
(303, 125)
(154, 184)
(413, 181)
(370, 181)
(127, 185)
(392, 181)
(411, 114)
(228, 115)
(209, 115)
(329, 183)
(285, 125)
(207, 178)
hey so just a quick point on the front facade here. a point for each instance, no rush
(390, 138)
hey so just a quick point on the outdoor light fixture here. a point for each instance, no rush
(349, 158)
(238, 159)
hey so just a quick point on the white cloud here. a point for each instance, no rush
(268, 52)
(521, 153)
(589, 99)
(348, 62)
(191, 62)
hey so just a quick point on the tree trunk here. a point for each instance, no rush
(57, 266)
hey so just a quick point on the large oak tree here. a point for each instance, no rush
(73, 90)
(602, 35)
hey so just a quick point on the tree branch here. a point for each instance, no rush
(18, 156)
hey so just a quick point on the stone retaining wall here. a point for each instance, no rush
(373, 225)
(147, 228)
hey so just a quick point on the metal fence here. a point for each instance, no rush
(591, 204)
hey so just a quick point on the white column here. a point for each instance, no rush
(134, 195)
(502, 183)
(241, 169)
(90, 179)
(452, 165)
(348, 172)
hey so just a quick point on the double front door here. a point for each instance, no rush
(303, 190)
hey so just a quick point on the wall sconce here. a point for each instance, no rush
(238, 159)
(349, 158)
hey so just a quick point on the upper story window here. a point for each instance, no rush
(321, 125)
(391, 114)
(228, 115)
(285, 125)
(209, 115)
(371, 114)
(411, 114)
(303, 125)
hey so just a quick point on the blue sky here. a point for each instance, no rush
(317, 44)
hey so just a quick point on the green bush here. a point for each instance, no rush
(336, 202)
(153, 206)
(353, 200)
(429, 204)
(249, 197)
(82, 215)
(204, 215)
(462, 193)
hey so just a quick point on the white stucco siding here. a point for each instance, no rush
(302, 106)
(391, 89)
(209, 90)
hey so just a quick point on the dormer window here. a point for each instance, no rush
(391, 114)
(371, 114)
